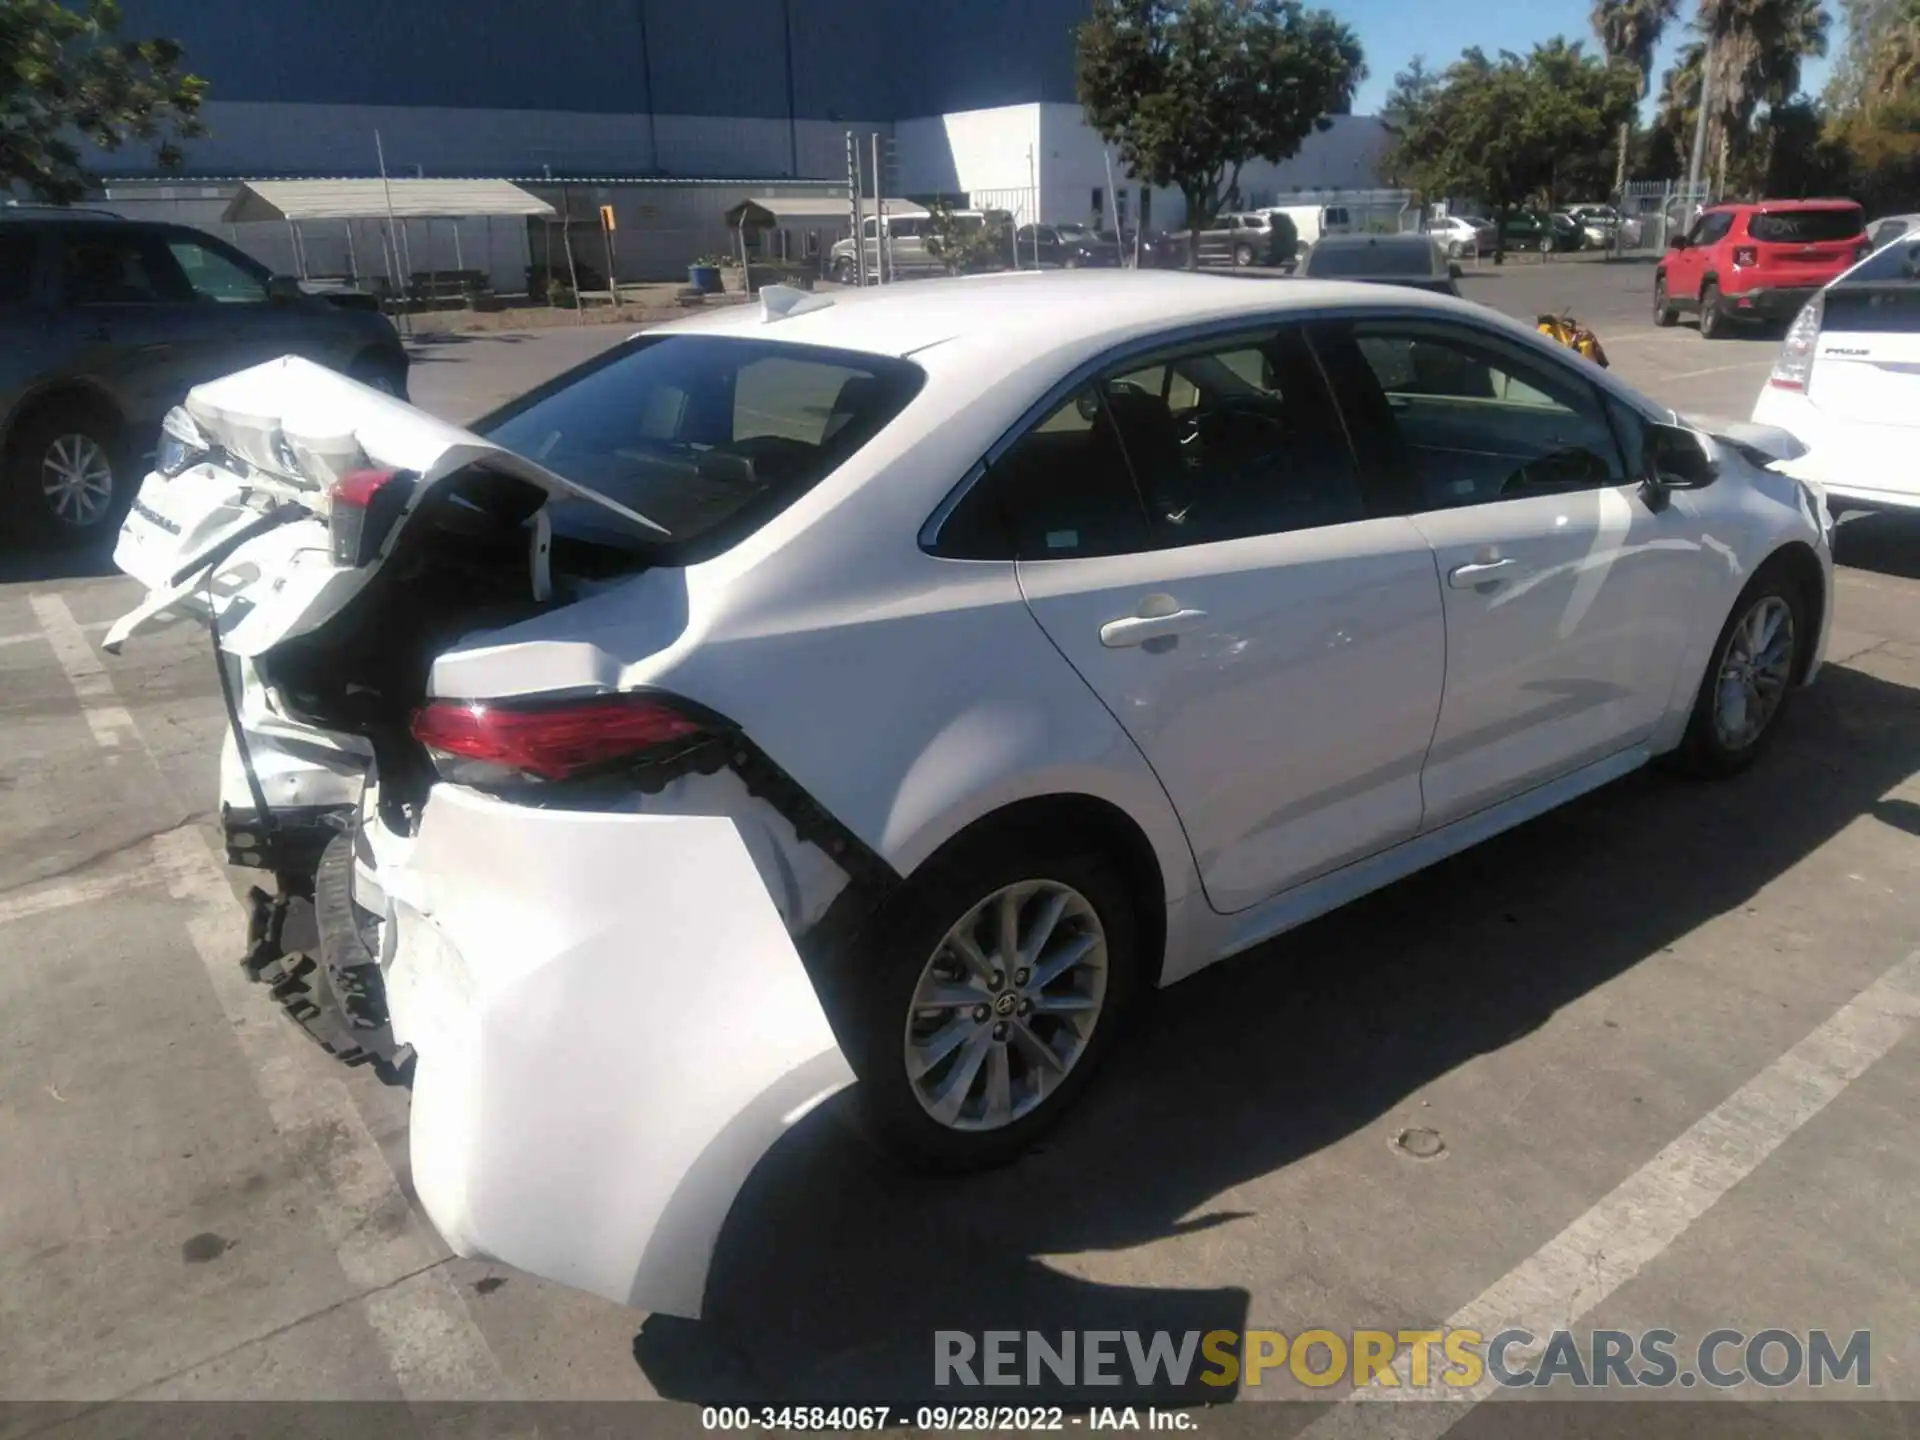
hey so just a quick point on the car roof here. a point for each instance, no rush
(18, 214)
(1762, 207)
(1038, 313)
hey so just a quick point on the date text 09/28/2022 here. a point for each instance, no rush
(949, 1418)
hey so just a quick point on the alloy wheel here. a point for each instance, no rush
(76, 480)
(1754, 673)
(1006, 1005)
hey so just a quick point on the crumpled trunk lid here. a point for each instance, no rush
(241, 538)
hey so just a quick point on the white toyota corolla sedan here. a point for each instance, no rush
(1847, 385)
(895, 685)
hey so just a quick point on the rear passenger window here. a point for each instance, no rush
(1063, 490)
(17, 252)
(1233, 441)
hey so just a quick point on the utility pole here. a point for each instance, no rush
(1033, 189)
(386, 188)
(880, 268)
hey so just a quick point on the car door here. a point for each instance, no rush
(1570, 595)
(1216, 241)
(247, 326)
(1195, 537)
(136, 328)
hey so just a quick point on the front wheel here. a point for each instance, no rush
(1664, 314)
(988, 999)
(1546, 244)
(1756, 662)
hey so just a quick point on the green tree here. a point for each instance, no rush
(67, 79)
(969, 244)
(1758, 47)
(1189, 91)
(1629, 32)
(1502, 130)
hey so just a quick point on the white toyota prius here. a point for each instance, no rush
(894, 686)
(1847, 385)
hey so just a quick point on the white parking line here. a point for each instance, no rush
(35, 637)
(1580, 1267)
(59, 894)
(432, 1346)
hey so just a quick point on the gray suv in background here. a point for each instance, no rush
(105, 324)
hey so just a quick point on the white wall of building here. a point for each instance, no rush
(973, 151)
(986, 150)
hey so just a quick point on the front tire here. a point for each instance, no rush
(1757, 661)
(990, 992)
(1664, 315)
(68, 478)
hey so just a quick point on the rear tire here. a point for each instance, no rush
(1745, 670)
(913, 952)
(1243, 256)
(1713, 325)
(68, 478)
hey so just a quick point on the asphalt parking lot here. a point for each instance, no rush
(1646, 1062)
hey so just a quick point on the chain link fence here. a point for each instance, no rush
(1652, 213)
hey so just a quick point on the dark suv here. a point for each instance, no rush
(105, 324)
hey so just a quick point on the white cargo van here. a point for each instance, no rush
(1310, 222)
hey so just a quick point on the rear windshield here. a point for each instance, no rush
(1805, 227)
(1346, 261)
(708, 436)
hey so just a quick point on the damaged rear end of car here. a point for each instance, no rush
(512, 862)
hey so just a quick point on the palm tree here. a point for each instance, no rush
(1893, 59)
(1757, 47)
(1629, 32)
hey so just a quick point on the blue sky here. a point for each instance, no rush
(1394, 31)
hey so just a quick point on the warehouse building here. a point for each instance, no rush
(672, 112)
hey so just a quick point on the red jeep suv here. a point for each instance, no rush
(1759, 261)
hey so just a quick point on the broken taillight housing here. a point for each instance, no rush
(488, 744)
(364, 504)
(1794, 368)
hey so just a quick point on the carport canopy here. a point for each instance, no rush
(800, 211)
(377, 199)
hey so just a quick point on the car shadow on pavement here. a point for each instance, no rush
(835, 1269)
(1889, 544)
(21, 561)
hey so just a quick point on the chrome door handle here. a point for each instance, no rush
(1465, 577)
(1138, 629)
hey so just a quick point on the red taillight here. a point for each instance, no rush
(365, 503)
(481, 744)
(1746, 255)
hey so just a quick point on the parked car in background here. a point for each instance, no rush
(1531, 230)
(1889, 228)
(1847, 384)
(906, 253)
(1230, 603)
(1240, 240)
(1414, 261)
(1459, 236)
(1066, 247)
(1605, 227)
(1757, 261)
(105, 324)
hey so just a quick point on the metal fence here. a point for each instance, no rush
(1653, 212)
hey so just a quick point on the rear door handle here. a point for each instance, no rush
(1138, 629)
(1465, 577)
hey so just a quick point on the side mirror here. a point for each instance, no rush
(1677, 459)
(283, 288)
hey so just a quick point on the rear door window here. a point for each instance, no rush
(707, 436)
(1804, 227)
